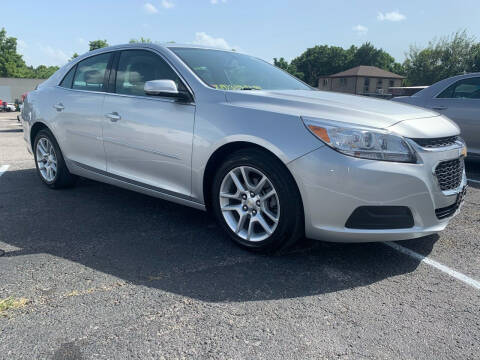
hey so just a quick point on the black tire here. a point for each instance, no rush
(290, 226)
(63, 178)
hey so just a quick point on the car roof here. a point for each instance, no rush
(153, 46)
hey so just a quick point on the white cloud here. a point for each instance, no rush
(391, 16)
(360, 30)
(167, 4)
(202, 38)
(215, 2)
(150, 8)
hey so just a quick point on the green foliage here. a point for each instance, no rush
(142, 40)
(449, 56)
(474, 61)
(443, 58)
(13, 65)
(324, 60)
(75, 55)
(284, 65)
(97, 44)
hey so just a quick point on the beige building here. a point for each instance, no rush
(361, 80)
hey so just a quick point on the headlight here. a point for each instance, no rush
(362, 142)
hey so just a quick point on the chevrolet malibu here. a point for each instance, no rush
(272, 158)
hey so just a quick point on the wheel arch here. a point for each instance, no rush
(221, 153)
(34, 131)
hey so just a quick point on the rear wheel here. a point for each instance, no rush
(256, 201)
(50, 163)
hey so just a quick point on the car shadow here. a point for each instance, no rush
(158, 244)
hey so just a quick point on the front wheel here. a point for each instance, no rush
(257, 202)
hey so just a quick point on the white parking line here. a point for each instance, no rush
(3, 169)
(474, 181)
(453, 273)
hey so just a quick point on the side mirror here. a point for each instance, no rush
(164, 88)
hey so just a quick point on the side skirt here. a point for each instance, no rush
(120, 181)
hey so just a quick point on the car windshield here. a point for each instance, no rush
(232, 71)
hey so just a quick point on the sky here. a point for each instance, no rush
(50, 32)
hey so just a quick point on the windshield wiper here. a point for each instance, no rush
(249, 88)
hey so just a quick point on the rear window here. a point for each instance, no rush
(68, 79)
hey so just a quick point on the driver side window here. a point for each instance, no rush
(463, 89)
(136, 67)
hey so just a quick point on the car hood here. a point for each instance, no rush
(353, 109)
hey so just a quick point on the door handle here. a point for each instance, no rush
(440, 108)
(59, 107)
(114, 117)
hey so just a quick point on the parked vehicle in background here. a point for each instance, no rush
(458, 98)
(10, 107)
(271, 157)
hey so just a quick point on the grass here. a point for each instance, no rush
(12, 303)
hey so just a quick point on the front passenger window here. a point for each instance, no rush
(90, 74)
(138, 66)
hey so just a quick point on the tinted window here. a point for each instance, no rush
(463, 89)
(67, 80)
(90, 73)
(232, 71)
(138, 66)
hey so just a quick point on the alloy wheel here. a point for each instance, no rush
(249, 203)
(46, 159)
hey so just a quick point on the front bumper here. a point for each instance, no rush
(333, 185)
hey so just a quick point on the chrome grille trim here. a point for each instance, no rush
(450, 174)
(436, 142)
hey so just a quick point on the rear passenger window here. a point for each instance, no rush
(138, 66)
(90, 73)
(67, 80)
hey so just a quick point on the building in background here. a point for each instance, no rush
(362, 80)
(12, 89)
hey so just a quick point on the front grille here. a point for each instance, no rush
(436, 142)
(448, 211)
(450, 174)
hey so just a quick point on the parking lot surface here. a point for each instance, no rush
(104, 273)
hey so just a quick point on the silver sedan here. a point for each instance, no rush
(270, 157)
(458, 98)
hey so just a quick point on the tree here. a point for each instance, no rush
(449, 56)
(474, 63)
(44, 72)
(97, 44)
(284, 65)
(368, 55)
(75, 55)
(11, 63)
(142, 40)
(322, 60)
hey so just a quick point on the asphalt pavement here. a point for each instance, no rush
(100, 272)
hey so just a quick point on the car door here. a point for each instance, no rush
(461, 103)
(77, 103)
(147, 139)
